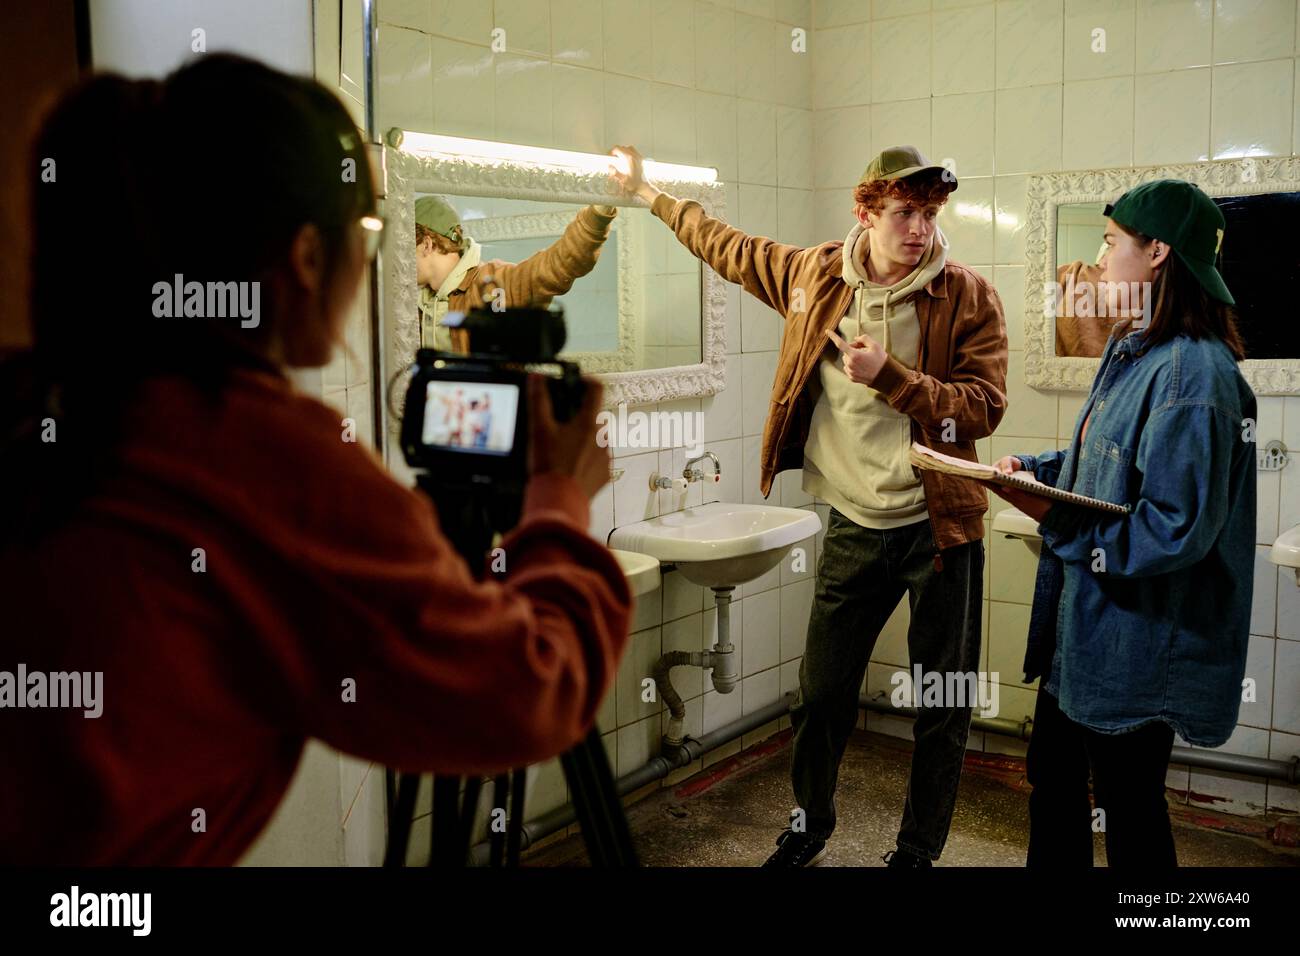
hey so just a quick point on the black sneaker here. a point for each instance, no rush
(905, 860)
(796, 849)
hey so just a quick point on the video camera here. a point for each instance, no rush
(465, 421)
(465, 430)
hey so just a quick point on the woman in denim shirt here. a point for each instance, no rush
(1140, 621)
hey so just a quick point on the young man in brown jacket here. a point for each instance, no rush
(453, 278)
(887, 341)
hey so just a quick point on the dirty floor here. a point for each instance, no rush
(731, 814)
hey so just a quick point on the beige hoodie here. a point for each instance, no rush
(856, 456)
(433, 305)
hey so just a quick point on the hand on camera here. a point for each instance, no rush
(567, 448)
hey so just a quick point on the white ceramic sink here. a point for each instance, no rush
(1014, 523)
(719, 544)
(1286, 551)
(641, 571)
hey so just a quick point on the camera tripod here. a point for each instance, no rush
(469, 515)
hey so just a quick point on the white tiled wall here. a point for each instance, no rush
(1014, 87)
(1004, 89)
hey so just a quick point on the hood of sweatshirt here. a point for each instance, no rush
(875, 300)
(469, 259)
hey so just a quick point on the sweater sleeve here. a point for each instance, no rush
(398, 654)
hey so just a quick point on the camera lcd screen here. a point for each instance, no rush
(474, 417)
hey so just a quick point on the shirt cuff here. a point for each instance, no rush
(595, 221)
(663, 207)
(553, 492)
(891, 377)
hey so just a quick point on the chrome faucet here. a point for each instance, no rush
(693, 471)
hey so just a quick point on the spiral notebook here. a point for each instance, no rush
(931, 460)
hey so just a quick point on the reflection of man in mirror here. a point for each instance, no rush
(923, 344)
(480, 421)
(453, 414)
(1085, 313)
(453, 278)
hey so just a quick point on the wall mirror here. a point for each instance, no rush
(1065, 329)
(648, 318)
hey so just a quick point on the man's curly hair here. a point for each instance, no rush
(920, 189)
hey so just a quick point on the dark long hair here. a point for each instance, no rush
(1181, 306)
(207, 174)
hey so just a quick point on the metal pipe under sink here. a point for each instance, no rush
(722, 659)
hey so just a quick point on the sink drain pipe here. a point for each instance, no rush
(725, 674)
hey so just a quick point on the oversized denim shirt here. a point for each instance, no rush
(1146, 616)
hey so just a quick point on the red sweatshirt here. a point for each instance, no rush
(318, 573)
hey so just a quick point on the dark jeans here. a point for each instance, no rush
(861, 577)
(1128, 782)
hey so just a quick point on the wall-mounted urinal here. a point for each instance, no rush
(1014, 523)
(1286, 551)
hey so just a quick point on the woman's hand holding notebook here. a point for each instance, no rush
(1024, 481)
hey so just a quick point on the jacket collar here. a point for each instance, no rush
(938, 286)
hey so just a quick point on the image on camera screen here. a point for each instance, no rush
(471, 416)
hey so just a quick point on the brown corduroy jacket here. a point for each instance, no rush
(958, 386)
(535, 281)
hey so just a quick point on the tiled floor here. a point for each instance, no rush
(735, 820)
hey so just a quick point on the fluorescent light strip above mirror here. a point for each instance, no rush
(454, 147)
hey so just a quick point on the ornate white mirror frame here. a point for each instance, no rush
(1046, 192)
(410, 173)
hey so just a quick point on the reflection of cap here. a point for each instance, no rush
(1178, 213)
(437, 215)
(897, 162)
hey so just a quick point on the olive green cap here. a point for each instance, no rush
(437, 215)
(898, 162)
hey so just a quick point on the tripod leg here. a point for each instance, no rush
(399, 821)
(598, 805)
(446, 821)
(468, 811)
(500, 798)
(515, 826)
(588, 807)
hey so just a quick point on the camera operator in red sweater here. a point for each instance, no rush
(200, 551)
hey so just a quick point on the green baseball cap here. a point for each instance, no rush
(898, 162)
(437, 215)
(1179, 213)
